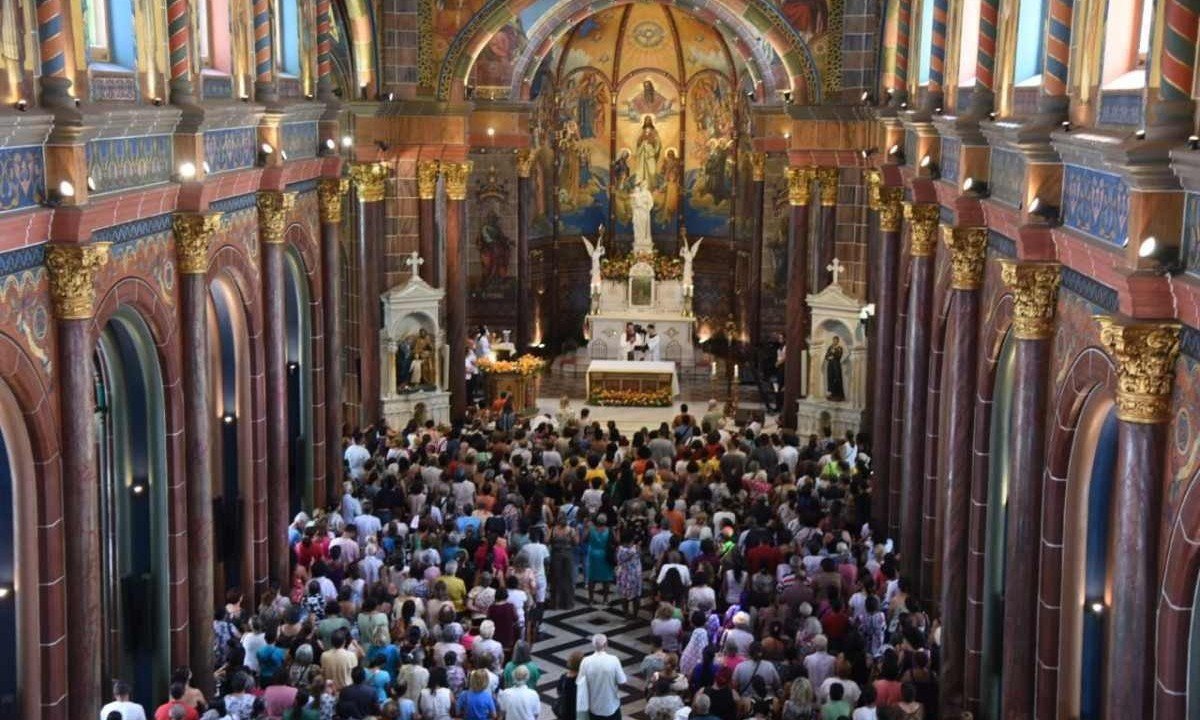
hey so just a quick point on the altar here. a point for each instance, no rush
(625, 382)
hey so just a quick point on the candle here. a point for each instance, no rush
(735, 371)
(714, 368)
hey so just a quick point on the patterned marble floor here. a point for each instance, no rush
(566, 631)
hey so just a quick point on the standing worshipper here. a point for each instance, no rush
(629, 571)
(563, 541)
(599, 681)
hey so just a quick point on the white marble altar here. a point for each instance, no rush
(834, 314)
(408, 310)
(653, 372)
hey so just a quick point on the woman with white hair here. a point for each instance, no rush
(486, 644)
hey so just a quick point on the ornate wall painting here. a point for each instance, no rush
(492, 264)
(449, 16)
(22, 178)
(25, 302)
(1095, 203)
(648, 150)
(809, 17)
(541, 174)
(493, 69)
(592, 44)
(1190, 252)
(710, 168)
(583, 142)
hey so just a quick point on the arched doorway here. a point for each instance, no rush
(999, 473)
(18, 581)
(298, 322)
(131, 453)
(1193, 676)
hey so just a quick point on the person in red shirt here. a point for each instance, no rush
(762, 555)
(176, 692)
(836, 622)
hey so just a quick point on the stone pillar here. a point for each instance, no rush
(968, 254)
(524, 294)
(265, 89)
(457, 176)
(427, 175)
(758, 164)
(72, 271)
(55, 53)
(797, 305)
(923, 222)
(274, 207)
(886, 203)
(1034, 286)
(827, 181)
(193, 232)
(179, 49)
(330, 192)
(369, 180)
(1145, 355)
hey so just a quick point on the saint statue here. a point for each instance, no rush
(688, 254)
(835, 388)
(404, 362)
(424, 367)
(647, 152)
(595, 251)
(643, 203)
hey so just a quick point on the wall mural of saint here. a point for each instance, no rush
(648, 133)
(583, 152)
(710, 165)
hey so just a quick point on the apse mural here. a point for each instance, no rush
(541, 172)
(710, 159)
(648, 142)
(583, 152)
(493, 69)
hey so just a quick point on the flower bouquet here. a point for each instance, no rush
(630, 398)
(526, 365)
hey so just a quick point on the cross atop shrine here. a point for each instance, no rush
(414, 262)
(834, 267)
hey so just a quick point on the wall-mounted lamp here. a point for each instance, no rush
(5, 592)
(187, 170)
(229, 418)
(347, 141)
(137, 489)
(22, 104)
(975, 187)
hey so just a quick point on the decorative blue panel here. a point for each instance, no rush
(230, 149)
(233, 204)
(300, 139)
(1095, 203)
(1189, 342)
(910, 147)
(951, 147)
(120, 163)
(22, 259)
(1007, 180)
(1190, 252)
(303, 186)
(1120, 108)
(1089, 289)
(1001, 244)
(113, 88)
(218, 86)
(125, 233)
(22, 177)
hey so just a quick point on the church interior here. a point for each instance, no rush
(235, 232)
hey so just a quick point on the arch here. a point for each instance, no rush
(778, 40)
(299, 355)
(1177, 620)
(303, 253)
(360, 25)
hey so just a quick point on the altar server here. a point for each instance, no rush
(653, 344)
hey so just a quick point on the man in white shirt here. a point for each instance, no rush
(519, 702)
(356, 456)
(598, 686)
(367, 523)
(121, 704)
(653, 344)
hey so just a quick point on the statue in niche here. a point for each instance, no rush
(404, 362)
(424, 368)
(643, 203)
(835, 388)
(647, 152)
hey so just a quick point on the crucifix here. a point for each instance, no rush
(414, 262)
(834, 267)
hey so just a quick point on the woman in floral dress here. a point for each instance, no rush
(629, 571)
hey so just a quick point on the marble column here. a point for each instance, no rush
(330, 194)
(457, 176)
(72, 271)
(1034, 286)
(886, 203)
(265, 89)
(1145, 355)
(524, 297)
(193, 232)
(797, 305)
(827, 181)
(369, 181)
(923, 222)
(427, 176)
(274, 207)
(179, 50)
(968, 253)
(758, 164)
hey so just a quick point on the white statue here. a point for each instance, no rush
(643, 203)
(688, 254)
(595, 252)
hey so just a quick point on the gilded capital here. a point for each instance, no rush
(827, 178)
(427, 175)
(758, 166)
(968, 254)
(891, 209)
(1034, 286)
(72, 270)
(330, 193)
(524, 162)
(1145, 353)
(798, 180)
(273, 209)
(193, 233)
(923, 223)
(370, 180)
(457, 175)
(873, 179)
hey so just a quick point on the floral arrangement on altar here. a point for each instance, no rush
(526, 365)
(631, 398)
(665, 266)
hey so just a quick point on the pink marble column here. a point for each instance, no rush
(884, 261)
(427, 176)
(331, 193)
(370, 182)
(457, 176)
(797, 307)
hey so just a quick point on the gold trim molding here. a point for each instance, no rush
(370, 180)
(923, 223)
(72, 270)
(1034, 285)
(193, 233)
(274, 206)
(968, 255)
(1145, 353)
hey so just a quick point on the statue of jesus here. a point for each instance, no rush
(643, 203)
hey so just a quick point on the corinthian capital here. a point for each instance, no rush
(968, 254)
(330, 193)
(873, 179)
(1034, 286)
(827, 179)
(891, 209)
(193, 233)
(923, 222)
(72, 270)
(457, 175)
(273, 209)
(758, 166)
(370, 179)
(1145, 353)
(427, 174)
(524, 162)
(798, 180)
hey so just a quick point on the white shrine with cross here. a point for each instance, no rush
(412, 314)
(834, 313)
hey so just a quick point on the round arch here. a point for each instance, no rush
(299, 355)
(772, 36)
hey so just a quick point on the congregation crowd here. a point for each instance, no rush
(746, 556)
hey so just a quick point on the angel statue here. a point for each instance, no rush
(688, 254)
(595, 251)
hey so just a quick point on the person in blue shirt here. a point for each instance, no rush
(379, 678)
(271, 656)
(477, 702)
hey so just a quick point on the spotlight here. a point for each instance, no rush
(865, 98)
(187, 170)
(137, 488)
(750, 95)
(1066, 126)
(469, 92)
(894, 149)
(362, 91)
(204, 165)
(787, 134)
(391, 97)
(283, 154)
(991, 115)
(158, 102)
(491, 132)
(903, 106)
(91, 184)
(975, 186)
(228, 418)
(1140, 134)
(5, 592)
(787, 96)
(896, 152)
(266, 149)
(22, 104)
(1041, 209)
(245, 97)
(78, 102)
(1097, 607)
(308, 96)
(1148, 247)
(347, 141)
(66, 189)
(926, 161)
(1193, 142)
(329, 146)
(293, 366)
